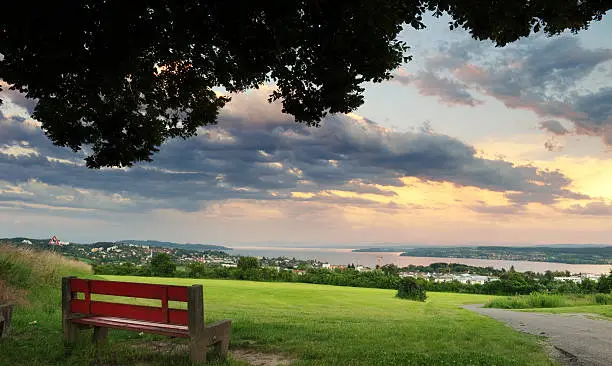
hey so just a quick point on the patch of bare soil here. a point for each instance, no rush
(163, 346)
(250, 356)
(259, 358)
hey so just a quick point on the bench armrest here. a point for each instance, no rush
(218, 331)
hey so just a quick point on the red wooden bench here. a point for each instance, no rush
(101, 315)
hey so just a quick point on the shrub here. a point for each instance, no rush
(410, 288)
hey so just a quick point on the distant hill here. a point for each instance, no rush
(19, 240)
(151, 243)
(594, 254)
(168, 244)
(409, 247)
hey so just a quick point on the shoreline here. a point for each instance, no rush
(343, 256)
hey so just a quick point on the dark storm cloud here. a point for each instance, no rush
(447, 90)
(541, 75)
(596, 106)
(554, 127)
(265, 161)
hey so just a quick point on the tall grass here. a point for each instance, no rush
(33, 276)
(603, 299)
(24, 266)
(543, 300)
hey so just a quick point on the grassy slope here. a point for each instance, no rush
(319, 325)
(326, 325)
(36, 337)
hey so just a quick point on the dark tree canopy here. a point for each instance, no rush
(162, 265)
(121, 77)
(245, 263)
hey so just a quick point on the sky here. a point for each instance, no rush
(467, 144)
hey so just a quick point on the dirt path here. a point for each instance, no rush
(580, 339)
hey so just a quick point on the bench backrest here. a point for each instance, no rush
(162, 314)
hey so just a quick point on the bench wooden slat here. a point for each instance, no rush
(130, 289)
(136, 312)
(128, 324)
(178, 316)
(149, 319)
(79, 306)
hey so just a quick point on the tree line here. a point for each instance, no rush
(510, 282)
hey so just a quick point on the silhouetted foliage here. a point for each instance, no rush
(124, 76)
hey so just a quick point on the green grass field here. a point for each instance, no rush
(312, 324)
(327, 325)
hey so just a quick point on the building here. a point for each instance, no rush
(473, 279)
(341, 267)
(465, 278)
(575, 279)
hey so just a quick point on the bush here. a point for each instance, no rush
(410, 288)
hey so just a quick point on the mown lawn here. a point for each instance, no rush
(329, 325)
(313, 324)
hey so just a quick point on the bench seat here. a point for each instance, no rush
(80, 312)
(170, 330)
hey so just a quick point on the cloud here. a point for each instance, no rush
(498, 209)
(447, 90)
(545, 75)
(591, 209)
(15, 97)
(554, 127)
(267, 159)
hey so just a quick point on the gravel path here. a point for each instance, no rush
(581, 340)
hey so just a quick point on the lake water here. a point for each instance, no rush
(369, 259)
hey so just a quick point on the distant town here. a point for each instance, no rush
(141, 252)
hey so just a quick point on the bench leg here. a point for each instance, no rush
(71, 331)
(197, 350)
(225, 339)
(99, 334)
